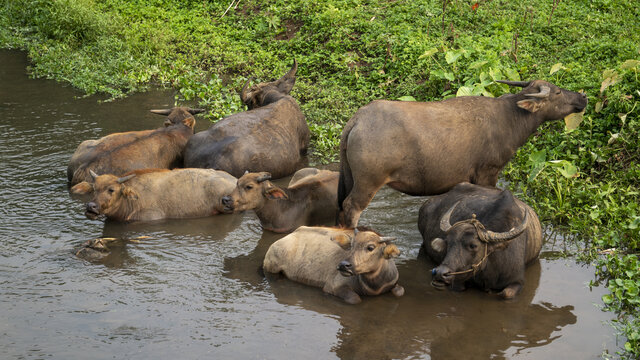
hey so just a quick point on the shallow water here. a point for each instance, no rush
(193, 288)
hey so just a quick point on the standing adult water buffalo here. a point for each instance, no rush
(120, 153)
(310, 199)
(272, 136)
(493, 237)
(154, 194)
(345, 263)
(426, 148)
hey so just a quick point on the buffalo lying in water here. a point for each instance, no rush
(120, 153)
(310, 199)
(426, 148)
(345, 263)
(493, 236)
(155, 194)
(271, 136)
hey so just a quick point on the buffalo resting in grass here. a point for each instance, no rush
(345, 263)
(310, 199)
(271, 136)
(425, 148)
(479, 235)
(123, 152)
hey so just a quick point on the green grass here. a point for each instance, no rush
(353, 51)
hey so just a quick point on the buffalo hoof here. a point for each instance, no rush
(510, 291)
(95, 250)
(397, 290)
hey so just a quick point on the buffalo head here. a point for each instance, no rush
(468, 244)
(265, 93)
(251, 192)
(368, 253)
(549, 101)
(110, 193)
(179, 115)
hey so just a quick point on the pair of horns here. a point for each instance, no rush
(544, 89)
(166, 112)
(245, 95)
(120, 180)
(490, 236)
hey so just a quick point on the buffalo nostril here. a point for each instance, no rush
(344, 265)
(434, 271)
(93, 207)
(226, 200)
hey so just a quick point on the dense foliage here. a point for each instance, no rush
(354, 51)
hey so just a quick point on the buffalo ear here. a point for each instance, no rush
(274, 192)
(531, 105)
(189, 122)
(438, 244)
(82, 188)
(129, 193)
(343, 240)
(391, 251)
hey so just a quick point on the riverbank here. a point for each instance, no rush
(351, 52)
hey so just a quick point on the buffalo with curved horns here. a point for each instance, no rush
(271, 136)
(120, 153)
(425, 148)
(479, 235)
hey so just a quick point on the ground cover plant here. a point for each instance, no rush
(350, 52)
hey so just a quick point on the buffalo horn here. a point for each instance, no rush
(125, 178)
(196, 111)
(445, 223)
(386, 239)
(93, 174)
(164, 112)
(506, 236)
(265, 176)
(244, 95)
(291, 73)
(544, 92)
(522, 84)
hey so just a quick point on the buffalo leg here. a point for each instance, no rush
(354, 204)
(510, 291)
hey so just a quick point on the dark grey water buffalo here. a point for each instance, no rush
(310, 199)
(120, 153)
(425, 148)
(481, 235)
(272, 136)
(154, 194)
(344, 263)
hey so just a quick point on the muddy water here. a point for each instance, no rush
(193, 288)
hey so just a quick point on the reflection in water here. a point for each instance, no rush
(194, 286)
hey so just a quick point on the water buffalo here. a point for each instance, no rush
(425, 148)
(345, 263)
(154, 194)
(493, 237)
(120, 153)
(271, 136)
(310, 199)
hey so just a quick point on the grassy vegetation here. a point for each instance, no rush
(353, 51)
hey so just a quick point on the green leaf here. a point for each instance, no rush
(538, 157)
(555, 68)
(453, 55)
(629, 64)
(428, 53)
(607, 299)
(449, 76)
(599, 106)
(407, 98)
(512, 74)
(478, 64)
(495, 74)
(464, 91)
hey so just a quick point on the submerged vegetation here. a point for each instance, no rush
(353, 51)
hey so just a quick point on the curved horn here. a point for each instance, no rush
(164, 112)
(445, 223)
(386, 239)
(522, 84)
(125, 178)
(544, 92)
(292, 72)
(195, 111)
(264, 177)
(244, 96)
(93, 174)
(506, 236)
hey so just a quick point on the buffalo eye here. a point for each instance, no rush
(111, 190)
(248, 187)
(371, 247)
(473, 246)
